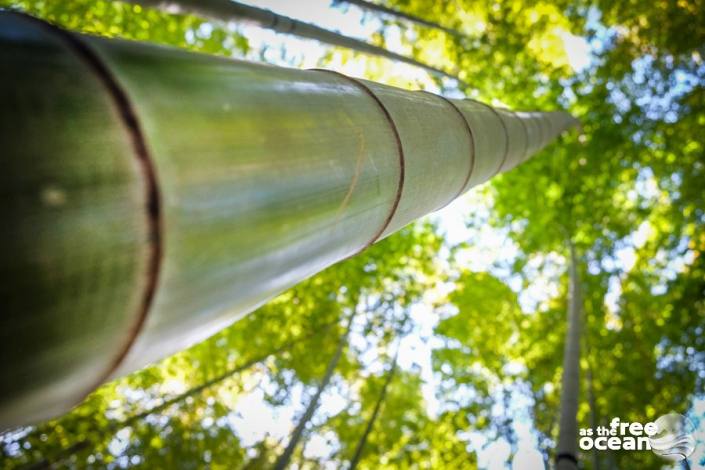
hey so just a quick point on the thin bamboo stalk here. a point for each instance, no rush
(567, 448)
(360, 447)
(400, 14)
(284, 459)
(152, 196)
(228, 10)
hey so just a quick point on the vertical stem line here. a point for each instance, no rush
(567, 450)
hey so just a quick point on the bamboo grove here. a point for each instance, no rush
(604, 226)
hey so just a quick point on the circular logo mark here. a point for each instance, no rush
(673, 439)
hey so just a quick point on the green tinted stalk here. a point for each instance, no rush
(153, 196)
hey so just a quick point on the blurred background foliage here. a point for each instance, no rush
(454, 351)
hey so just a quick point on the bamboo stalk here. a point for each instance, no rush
(365, 5)
(360, 447)
(284, 460)
(567, 447)
(152, 196)
(228, 10)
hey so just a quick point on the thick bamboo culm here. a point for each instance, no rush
(152, 196)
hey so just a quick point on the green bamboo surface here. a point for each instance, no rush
(74, 232)
(262, 177)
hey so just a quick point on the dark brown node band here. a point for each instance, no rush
(153, 207)
(388, 117)
(524, 155)
(506, 134)
(473, 150)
